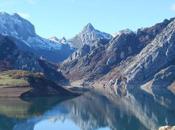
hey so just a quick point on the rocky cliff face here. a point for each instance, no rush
(151, 67)
(128, 61)
(155, 56)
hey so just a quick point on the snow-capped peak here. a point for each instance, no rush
(15, 26)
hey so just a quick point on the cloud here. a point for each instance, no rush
(24, 15)
(173, 7)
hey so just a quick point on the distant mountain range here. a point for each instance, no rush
(25, 37)
(122, 63)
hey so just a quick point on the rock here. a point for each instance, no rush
(121, 86)
(167, 128)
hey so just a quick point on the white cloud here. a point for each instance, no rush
(173, 7)
(24, 15)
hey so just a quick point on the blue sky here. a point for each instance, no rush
(68, 17)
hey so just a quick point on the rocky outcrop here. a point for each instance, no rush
(121, 86)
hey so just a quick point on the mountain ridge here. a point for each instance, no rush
(127, 62)
(124, 63)
(22, 30)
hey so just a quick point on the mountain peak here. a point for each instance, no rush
(14, 25)
(89, 35)
(89, 27)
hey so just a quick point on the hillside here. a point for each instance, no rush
(17, 83)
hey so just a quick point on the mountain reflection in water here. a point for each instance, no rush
(91, 111)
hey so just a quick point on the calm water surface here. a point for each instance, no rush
(90, 111)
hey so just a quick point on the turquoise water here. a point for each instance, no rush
(90, 111)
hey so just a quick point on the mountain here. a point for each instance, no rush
(92, 62)
(11, 57)
(152, 69)
(40, 78)
(130, 61)
(124, 63)
(23, 31)
(89, 35)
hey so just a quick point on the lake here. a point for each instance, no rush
(91, 111)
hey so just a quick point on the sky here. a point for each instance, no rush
(68, 17)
